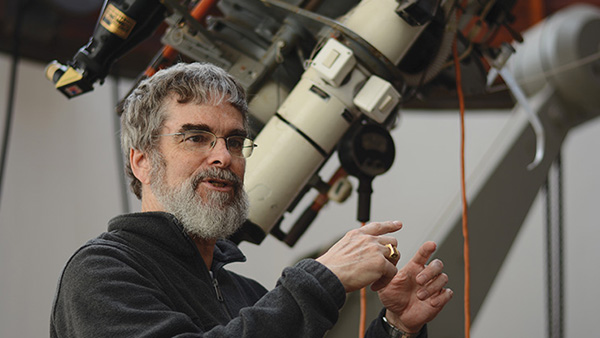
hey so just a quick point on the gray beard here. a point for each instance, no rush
(217, 217)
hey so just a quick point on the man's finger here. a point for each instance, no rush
(380, 228)
(424, 253)
(442, 298)
(388, 275)
(430, 272)
(433, 287)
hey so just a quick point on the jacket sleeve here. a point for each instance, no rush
(304, 303)
(104, 292)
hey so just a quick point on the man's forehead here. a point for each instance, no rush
(203, 114)
(172, 103)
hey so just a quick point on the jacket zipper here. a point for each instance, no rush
(220, 296)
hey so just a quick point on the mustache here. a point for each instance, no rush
(216, 173)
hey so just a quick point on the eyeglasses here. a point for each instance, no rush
(202, 140)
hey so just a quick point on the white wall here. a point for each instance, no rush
(61, 187)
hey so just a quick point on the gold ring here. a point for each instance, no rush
(393, 251)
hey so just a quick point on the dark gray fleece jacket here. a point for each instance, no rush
(146, 278)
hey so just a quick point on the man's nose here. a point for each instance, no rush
(219, 154)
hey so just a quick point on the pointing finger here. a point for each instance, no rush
(380, 228)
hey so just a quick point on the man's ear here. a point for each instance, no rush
(140, 165)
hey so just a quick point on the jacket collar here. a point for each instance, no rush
(167, 230)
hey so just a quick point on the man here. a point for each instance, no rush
(159, 273)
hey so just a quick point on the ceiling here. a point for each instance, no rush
(56, 29)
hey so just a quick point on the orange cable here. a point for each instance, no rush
(536, 13)
(363, 313)
(465, 228)
(202, 8)
(363, 309)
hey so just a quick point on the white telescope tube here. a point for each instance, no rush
(316, 114)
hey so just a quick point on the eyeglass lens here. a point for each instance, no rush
(201, 140)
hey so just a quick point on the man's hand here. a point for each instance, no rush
(416, 294)
(359, 258)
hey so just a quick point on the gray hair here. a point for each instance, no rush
(144, 110)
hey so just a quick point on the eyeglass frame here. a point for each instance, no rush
(214, 143)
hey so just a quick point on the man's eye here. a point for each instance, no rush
(198, 138)
(236, 142)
